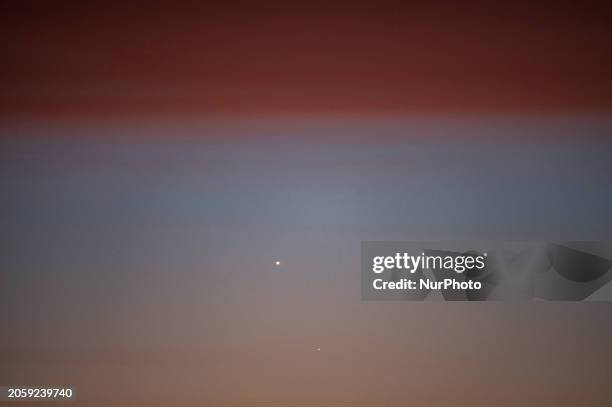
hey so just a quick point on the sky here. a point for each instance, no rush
(192, 59)
(156, 160)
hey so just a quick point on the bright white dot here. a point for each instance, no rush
(277, 263)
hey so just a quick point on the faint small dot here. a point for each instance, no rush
(318, 349)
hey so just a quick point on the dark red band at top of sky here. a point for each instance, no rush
(165, 59)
